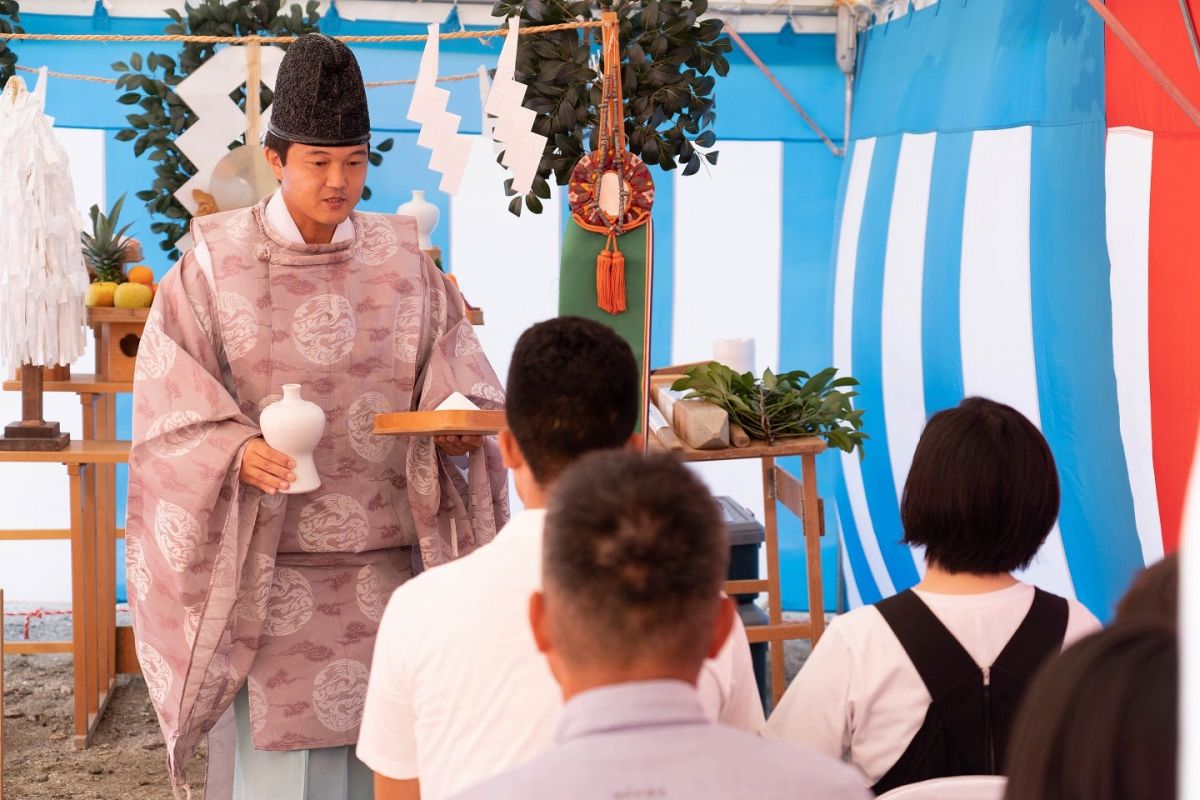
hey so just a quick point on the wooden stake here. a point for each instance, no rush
(33, 432)
(31, 394)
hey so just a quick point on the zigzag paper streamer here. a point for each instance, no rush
(513, 126)
(439, 128)
(218, 119)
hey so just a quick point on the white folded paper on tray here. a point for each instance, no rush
(456, 402)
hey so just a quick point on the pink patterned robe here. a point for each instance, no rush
(231, 586)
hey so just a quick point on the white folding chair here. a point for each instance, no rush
(963, 787)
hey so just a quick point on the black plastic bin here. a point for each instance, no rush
(745, 538)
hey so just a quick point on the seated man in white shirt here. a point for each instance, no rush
(458, 690)
(634, 556)
(925, 684)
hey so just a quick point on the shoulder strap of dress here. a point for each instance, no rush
(1040, 634)
(939, 657)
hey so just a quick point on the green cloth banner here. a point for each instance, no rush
(577, 283)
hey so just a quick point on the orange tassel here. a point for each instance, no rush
(610, 277)
(603, 274)
(618, 281)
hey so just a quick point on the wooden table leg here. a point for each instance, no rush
(1, 693)
(94, 497)
(812, 546)
(80, 630)
(110, 522)
(106, 599)
(774, 594)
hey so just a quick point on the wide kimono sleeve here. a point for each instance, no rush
(454, 514)
(189, 518)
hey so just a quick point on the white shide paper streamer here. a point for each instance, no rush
(439, 128)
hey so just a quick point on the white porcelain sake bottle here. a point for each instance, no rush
(294, 426)
(425, 213)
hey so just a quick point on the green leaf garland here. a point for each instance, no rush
(668, 53)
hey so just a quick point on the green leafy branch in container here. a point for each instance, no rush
(782, 406)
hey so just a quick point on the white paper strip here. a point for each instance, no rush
(439, 128)
(219, 120)
(513, 126)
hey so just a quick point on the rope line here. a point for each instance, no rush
(37, 613)
(465, 76)
(420, 37)
(68, 76)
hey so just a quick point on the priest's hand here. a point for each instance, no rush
(265, 468)
(458, 445)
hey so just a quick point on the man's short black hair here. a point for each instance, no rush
(573, 387)
(280, 145)
(982, 494)
(635, 553)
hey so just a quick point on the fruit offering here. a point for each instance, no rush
(101, 294)
(141, 274)
(105, 250)
(133, 295)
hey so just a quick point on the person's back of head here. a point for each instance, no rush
(573, 387)
(1100, 721)
(635, 554)
(982, 494)
(1153, 595)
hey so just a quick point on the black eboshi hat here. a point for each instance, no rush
(319, 95)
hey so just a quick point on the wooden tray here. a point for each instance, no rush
(101, 314)
(441, 423)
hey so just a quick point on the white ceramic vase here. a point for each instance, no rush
(294, 426)
(425, 213)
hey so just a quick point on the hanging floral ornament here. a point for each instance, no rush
(611, 191)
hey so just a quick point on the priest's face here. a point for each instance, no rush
(321, 185)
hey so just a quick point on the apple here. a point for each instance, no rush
(133, 295)
(100, 295)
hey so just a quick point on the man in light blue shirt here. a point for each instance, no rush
(634, 556)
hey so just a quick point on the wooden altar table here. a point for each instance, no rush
(799, 497)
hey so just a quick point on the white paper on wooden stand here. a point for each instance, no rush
(42, 276)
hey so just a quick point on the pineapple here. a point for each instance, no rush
(104, 247)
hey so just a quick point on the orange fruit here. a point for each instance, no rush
(143, 275)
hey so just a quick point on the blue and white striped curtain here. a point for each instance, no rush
(971, 260)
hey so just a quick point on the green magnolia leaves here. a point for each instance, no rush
(10, 15)
(781, 406)
(667, 56)
(148, 82)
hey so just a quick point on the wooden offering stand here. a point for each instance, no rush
(118, 333)
(799, 497)
(32, 433)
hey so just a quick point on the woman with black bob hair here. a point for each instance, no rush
(1100, 722)
(925, 684)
